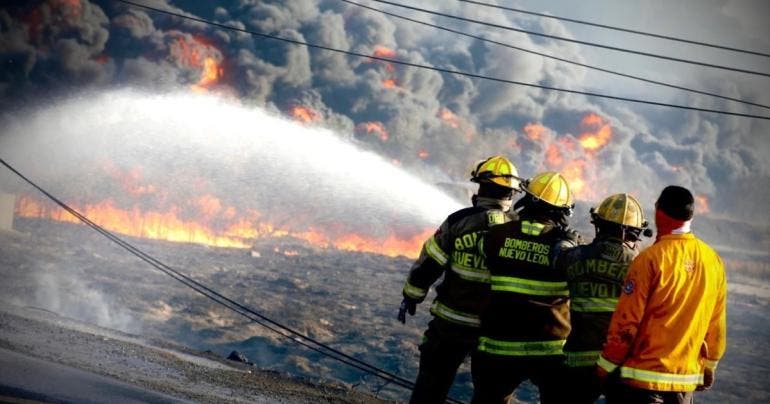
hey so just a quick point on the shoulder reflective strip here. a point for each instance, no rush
(528, 286)
(671, 379)
(593, 304)
(710, 364)
(414, 292)
(454, 316)
(435, 252)
(495, 217)
(606, 365)
(525, 348)
(531, 228)
(471, 274)
(582, 358)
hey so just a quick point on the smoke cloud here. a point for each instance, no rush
(432, 124)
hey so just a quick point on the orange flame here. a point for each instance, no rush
(196, 53)
(574, 158)
(701, 204)
(423, 154)
(375, 128)
(384, 52)
(389, 83)
(600, 137)
(534, 131)
(170, 226)
(449, 117)
(304, 114)
(209, 76)
(208, 220)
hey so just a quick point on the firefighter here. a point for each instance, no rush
(669, 327)
(452, 334)
(595, 274)
(526, 321)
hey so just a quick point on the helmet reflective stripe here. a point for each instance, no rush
(593, 304)
(582, 358)
(435, 252)
(550, 187)
(622, 209)
(528, 286)
(498, 170)
(414, 292)
(671, 379)
(440, 310)
(471, 274)
(531, 228)
(525, 348)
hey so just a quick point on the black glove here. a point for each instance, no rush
(406, 305)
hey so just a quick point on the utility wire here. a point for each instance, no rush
(247, 312)
(438, 69)
(616, 28)
(587, 43)
(481, 38)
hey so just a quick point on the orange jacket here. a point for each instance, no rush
(670, 321)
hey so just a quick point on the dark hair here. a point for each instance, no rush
(676, 202)
(494, 191)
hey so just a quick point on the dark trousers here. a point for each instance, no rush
(580, 385)
(621, 393)
(444, 349)
(496, 377)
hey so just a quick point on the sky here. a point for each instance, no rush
(433, 124)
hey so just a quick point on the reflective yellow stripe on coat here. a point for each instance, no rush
(521, 348)
(529, 286)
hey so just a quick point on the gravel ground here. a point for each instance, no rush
(155, 365)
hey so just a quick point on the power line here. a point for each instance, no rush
(245, 311)
(481, 38)
(616, 28)
(442, 70)
(587, 43)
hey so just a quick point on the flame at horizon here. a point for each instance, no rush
(241, 232)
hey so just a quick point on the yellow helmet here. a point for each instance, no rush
(622, 209)
(550, 187)
(497, 170)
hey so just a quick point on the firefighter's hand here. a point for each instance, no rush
(574, 236)
(407, 305)
(709, 376)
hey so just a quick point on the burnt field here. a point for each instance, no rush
(345, 299)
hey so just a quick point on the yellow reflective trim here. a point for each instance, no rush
(458, 317)
(414, 292)
(435, 252)
(593, 304)
(710, 364)
(529, 286)
(471, 274)
(532, 228)
(520, 348)
(650, 376)
(606, 365)
(495, 217)
(581, 358)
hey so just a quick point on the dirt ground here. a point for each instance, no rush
(152, 365)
